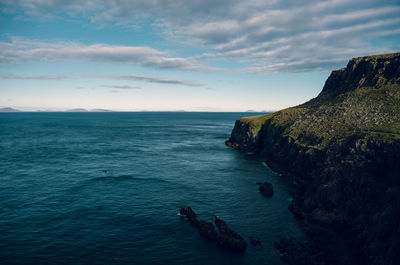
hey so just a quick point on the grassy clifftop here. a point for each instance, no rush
(361, 99)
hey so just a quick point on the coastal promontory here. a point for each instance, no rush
(341, 151)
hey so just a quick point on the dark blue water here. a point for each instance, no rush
(58, 207)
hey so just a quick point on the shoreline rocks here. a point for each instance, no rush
(224, 237)
(300, 253)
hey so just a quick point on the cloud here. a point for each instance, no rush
(121, 87)
(151, 79)
(309, 51)
(20, 50)
(132, 77)
(269, 36)
(33, 77)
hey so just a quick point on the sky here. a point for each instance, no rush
(192, 55)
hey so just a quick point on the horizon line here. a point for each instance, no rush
(83, 110)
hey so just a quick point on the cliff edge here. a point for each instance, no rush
(342, 150)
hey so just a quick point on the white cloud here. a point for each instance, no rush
(20, 50)
(121, 87)
(270, 35)
(151, 79)
(132, 77)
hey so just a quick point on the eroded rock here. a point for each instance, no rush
(266, 188)
(224, 237)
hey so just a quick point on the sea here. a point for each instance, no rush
(106, 188)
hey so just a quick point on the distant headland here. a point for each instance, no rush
(8, 109)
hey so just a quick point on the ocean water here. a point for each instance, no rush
(58, 206)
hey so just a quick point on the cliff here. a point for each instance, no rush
(342, 150)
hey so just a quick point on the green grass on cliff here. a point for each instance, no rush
(378, 56)
(367, 112)
(283, 117)
(361, 100)
(254, 123)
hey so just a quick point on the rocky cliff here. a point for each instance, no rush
(342, 150)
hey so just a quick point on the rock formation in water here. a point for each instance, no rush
(342, 151)
(224, 237)
(266, 188)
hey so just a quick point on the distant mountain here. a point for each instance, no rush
(85, 110)
(9, 110)
(77, 110)
(100, 110)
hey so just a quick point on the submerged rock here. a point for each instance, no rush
(254, 241)
(266, 188)
(224, 237)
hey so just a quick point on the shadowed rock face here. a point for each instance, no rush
(370, 71)
(228, 237)
(301, 253)
(341, 150)
(225, 237)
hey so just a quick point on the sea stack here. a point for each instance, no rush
(266, 188)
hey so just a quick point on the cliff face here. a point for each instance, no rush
(342, 150)
(367, 71)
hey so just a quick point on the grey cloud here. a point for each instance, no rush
(19, 50)
(268, 35)
(309, 51)
(152, 79)
(133, 77)
(121, 87)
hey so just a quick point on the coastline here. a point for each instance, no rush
(318, 248)
(341, 152)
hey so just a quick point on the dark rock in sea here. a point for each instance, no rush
(254, 241)
(266, 188)
(229, 238)
(190, 214)
(225, 237)
(342, 150)
(207, 230)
